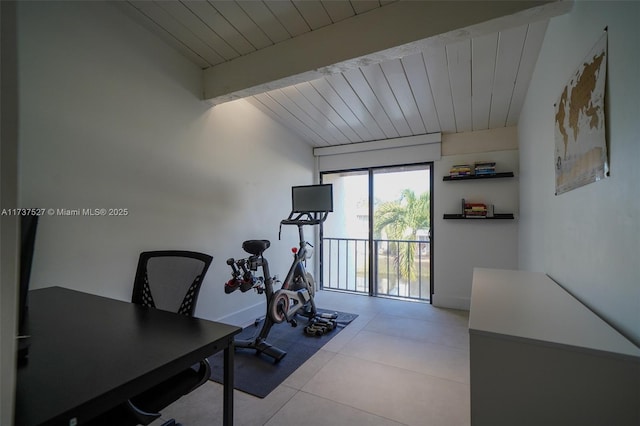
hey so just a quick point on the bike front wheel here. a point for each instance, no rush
(279, 307)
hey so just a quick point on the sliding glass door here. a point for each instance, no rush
(377, 240)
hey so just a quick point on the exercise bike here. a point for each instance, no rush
(294, 297)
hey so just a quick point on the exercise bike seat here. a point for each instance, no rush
(256, 247)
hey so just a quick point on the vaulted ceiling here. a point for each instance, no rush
(342, 72)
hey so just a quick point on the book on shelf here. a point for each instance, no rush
(485, 168)
(485, 164)
(478, 211)
(460, 170)
(474, 210)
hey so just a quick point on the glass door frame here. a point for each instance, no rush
(370, 172)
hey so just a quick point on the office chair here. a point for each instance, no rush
(169, 280)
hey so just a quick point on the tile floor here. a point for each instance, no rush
(398, 363)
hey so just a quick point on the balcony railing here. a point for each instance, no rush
(396, 274)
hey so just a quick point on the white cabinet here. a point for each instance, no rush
(540, 357)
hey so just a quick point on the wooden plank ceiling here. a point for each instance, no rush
(469, 84)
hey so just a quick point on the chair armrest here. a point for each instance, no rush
(141, 416)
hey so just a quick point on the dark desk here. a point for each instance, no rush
(89, 354)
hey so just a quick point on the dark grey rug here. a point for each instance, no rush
(258, 375)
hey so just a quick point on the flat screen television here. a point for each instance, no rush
(312, 198)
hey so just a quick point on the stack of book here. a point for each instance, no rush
(475, 210)
(460, 170)
(488, 168)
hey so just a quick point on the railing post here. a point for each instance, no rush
(374, 267)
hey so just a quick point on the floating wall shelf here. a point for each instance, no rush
(474, 177)
(496, 216)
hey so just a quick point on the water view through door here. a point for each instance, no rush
(377, 240)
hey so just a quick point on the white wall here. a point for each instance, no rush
(8, 199)
(460, 245)
(588, 239)
(110, 117)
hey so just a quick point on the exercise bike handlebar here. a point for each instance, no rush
(301, 219)
(305, 218)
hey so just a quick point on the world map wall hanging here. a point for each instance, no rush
(581, 148)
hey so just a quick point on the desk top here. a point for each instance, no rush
(90, 353)
(530, 305)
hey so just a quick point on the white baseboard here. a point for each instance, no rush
(246, 316)
(451, 302)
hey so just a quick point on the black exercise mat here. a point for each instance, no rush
(258, 375)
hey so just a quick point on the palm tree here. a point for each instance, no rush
(401, 220)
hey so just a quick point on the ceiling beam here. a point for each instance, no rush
(389, 32)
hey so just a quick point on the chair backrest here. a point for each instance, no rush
(170, 280)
